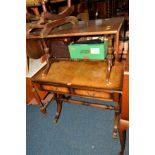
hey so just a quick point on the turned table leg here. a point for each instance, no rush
(47, 67)
(117, 52)
(109, 59)
(46, 57)
(59, 107)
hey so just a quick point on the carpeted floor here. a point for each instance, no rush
(81, 130)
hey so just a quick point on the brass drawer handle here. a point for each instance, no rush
(91, 94)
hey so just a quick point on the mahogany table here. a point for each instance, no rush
(84, 79)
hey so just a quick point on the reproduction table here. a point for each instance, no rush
(97, 79)
(85, 79)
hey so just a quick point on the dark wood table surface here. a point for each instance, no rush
(87, 28)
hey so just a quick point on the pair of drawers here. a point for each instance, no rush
(77, 91)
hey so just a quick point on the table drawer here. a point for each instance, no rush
(94, 94)
(55, 88)
(78, 92)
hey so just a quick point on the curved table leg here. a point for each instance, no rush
(37, 97)
(59, 107)
(123, 126)
(116, 98)
(116, 119)
(122, 134)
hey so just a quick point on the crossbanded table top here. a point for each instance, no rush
(83, 73)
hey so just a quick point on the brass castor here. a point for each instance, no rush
(55, 121)
(56, 118)
(120, 153)
(114, 135)
(43, 110)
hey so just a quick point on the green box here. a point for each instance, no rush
(88, 51)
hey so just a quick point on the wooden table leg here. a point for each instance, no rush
(116, 98)
(48, 99)
(116, 120)
(37, 97)
(46, 57)
(109, 66)
(117, 53)
(109, 58)
(123, 126)
(47, 67)
(59, 107)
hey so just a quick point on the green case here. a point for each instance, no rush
(88, 51)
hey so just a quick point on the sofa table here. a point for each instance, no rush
(84, 79)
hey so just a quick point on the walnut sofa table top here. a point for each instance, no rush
(87, 74)
(85, 79)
